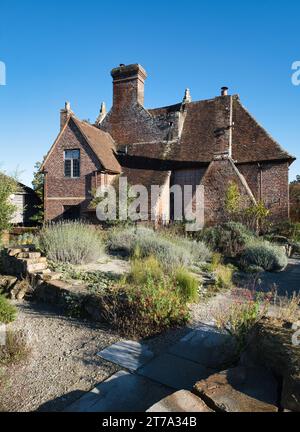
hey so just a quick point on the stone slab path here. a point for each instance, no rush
(149, 378)
(123, 392)
(128, 354)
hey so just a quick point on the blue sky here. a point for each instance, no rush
(64, 50)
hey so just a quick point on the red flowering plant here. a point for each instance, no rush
(246, 309)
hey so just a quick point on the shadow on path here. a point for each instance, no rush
(287, 282)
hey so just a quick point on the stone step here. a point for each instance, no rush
(48, 275)
(36, 267)
(29, 261)
(13, 251)
(181, 401)
(29, 255)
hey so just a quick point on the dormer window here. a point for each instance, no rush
(72, 163)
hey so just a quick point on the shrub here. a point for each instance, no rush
(147, 302)
(144, 242)
(122, 241)
(15, 349)
(8, 312)
(287, 229)
(197, 249)
(71, 242)
(8, 186)
(187, 284)
(265, 255)
(229, 239)
(240, 318)
(287, 308)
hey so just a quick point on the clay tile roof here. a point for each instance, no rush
(165, 110)
(102, 145)
(250, 141)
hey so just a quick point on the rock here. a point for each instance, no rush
(290, 399)
(20, 290)
(36, 267)
(48, 275)
(29, 255)
(7, 282)
(240, 390)
(271, 345)
(14, 251)
(181, 401)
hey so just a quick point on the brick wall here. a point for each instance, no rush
(269, 183)
(216, 181)
(275, 189)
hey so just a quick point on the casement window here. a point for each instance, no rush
(72, 163)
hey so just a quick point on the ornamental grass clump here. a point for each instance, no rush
(187, 284)
(8, 312)
(71, 242)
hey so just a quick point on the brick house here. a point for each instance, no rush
(210, 142)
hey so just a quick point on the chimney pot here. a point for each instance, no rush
(187, 96)
(65, 114)
(224, 91)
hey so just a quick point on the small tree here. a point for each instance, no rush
(295, 200)
(38, 186)
(8, 186)
(232, 199)
(257, 216)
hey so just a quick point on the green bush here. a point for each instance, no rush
(146, 302)
(287, 229)
(144, 242)
(265, 255)
(228, 239)
(187, 284)
(8, 186)
(197, 249)
(71, 242)
(8, 312)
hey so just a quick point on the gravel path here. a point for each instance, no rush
(63, 364)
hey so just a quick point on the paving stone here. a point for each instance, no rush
(175, 372)
(240, 389)
(128, 354)
(181, 401)
(123, 392)
(208, 346)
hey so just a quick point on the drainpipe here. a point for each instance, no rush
(260, 181)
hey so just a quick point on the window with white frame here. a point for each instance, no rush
(72, 163)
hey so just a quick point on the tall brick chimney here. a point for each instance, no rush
(128, 83)
(65, 114)
(224, 125)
